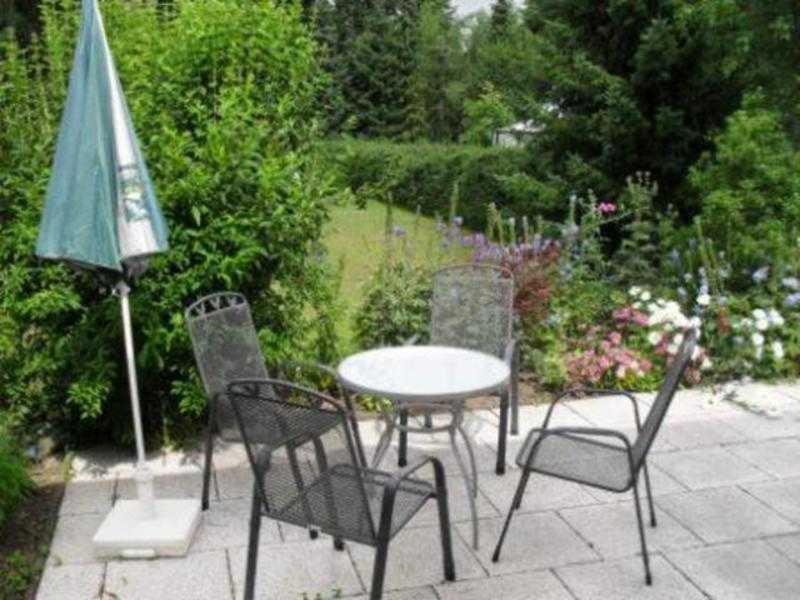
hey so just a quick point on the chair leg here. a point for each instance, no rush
(379, 571)
(403, 443)
(444, 523)
(252, 548)
(502, 435)
(207, 466)
(648, 578)
(338, 544)
(514, 393)
(523, 481)
(649, 495)
(428, 421)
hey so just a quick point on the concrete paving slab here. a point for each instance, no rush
(699, 433)
(724, 515)
(287, 572)
(423, 593)
(789, 545)
(707, 467)
(542, 585)
(779, 458)
(624, 580)
(71, 581)
(175, 485)
(609, 411)
(760, 427)
(534, 541)
(611, 529)
(72, 539)
(458, 503)
(741, 571)
(226, 524)
(87, 496)
(782, 496)
(415, 559)
(661, 484)
(235, 482)
(542, 493)
(201, 576)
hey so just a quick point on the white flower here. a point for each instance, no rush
(747, 323)
(762, 324)
(777, 350)
(645, 296)
(635, 291)
(672, 348)
(760, 275)
(677, 339)
(759, 314)
(759, 352)
(793, 283)
(775, 318)
(696, 322)
(706, 364)
(654, 337)
(704, 299)
(757, 339)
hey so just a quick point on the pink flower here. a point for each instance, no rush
(615, 337)
(606, 208)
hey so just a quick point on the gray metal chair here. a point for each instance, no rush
(227, 349)
(473, 307)
(308, 472)
(584, 454)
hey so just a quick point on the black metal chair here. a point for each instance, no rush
(583, 454)
(308, 472)
(473, 307)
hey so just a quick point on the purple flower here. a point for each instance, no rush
(792, 300)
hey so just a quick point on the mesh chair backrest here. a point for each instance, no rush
(226, 349)
(473, 307)
(313, 479)
(664, 397)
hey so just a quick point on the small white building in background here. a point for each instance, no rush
(516, 134)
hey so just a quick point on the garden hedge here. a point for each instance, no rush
(423, 175)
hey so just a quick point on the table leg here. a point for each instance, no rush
(470, 482)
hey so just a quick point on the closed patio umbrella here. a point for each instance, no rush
(101, 214)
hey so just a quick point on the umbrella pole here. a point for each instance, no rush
(144, 477)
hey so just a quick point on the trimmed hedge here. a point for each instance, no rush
(424, 174)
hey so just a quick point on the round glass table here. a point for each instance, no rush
(427, 379)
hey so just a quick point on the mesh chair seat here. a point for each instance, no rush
(578, 458)
(334, 502)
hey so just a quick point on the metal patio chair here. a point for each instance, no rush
(226, 349)
(308, 472)
(584, 454)
(473, 308)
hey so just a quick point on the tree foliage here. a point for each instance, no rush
(223, 95)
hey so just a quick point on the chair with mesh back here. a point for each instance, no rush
(226, 349)
(307, 472)
(588, 456)
(472, 307)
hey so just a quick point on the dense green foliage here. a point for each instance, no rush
(223, 96)
(14, 480)
(427, 176)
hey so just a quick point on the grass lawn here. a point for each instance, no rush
(356, 241)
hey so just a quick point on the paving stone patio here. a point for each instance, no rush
(727, 492)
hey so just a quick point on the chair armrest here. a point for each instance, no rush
(402, 474)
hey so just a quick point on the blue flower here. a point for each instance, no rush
(792, 300)
(760, 275)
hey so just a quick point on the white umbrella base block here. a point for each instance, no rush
(126, 534)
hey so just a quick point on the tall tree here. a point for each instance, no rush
(500, 17)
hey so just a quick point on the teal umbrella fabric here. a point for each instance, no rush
(101, 209)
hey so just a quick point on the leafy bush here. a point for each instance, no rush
(396, 304)
(750, 189)
(424, 175)
(222, 94)
(487, 113)
(14, 480)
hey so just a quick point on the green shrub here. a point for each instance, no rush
(424, 175)
(14, 480)
(396, 305)
(222, 94)
(750, 189)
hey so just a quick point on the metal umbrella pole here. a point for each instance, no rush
(144, 477)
